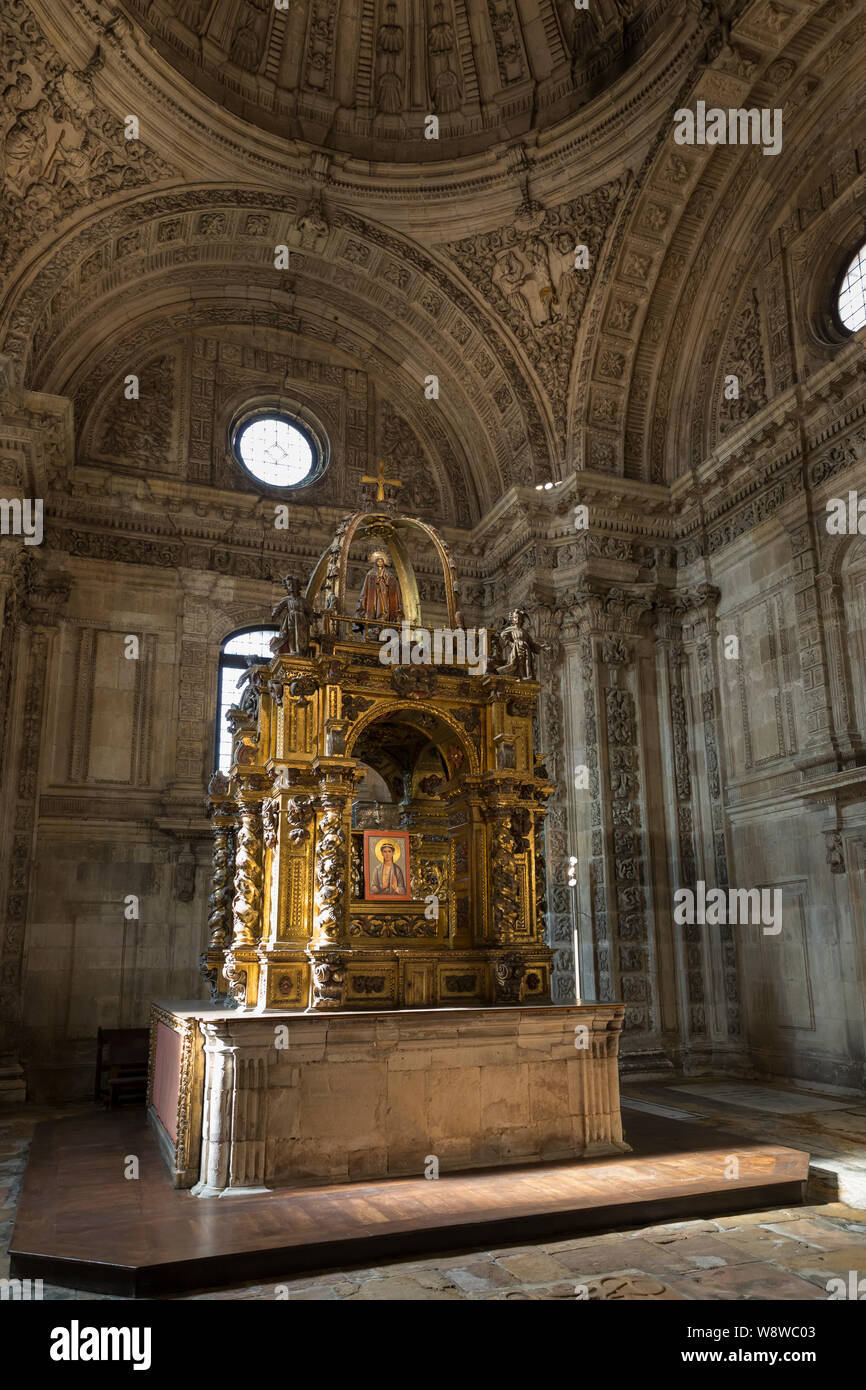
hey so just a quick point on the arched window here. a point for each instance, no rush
(852, 293)
(250, 641)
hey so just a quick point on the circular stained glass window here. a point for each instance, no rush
(852, 293)
(276, 451)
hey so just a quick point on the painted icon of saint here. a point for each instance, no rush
(387, 875)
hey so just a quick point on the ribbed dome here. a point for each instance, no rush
(362, 76)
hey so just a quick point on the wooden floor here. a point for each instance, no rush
(82, 1224)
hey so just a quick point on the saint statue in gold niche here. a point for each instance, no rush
(380, 600)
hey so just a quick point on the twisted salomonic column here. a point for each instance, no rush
(331, 860)
(505, 893)
(219, 903)
(247, 904)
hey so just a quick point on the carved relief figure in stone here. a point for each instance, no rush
(249, 40)
(526, 269)
(191, 12)
(389, 45)
(747, 364)
(444, 81)
(24, 148)
(397, 439)
(295, 616)
(310, 231)
(584, 36)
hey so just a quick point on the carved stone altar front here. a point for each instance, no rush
(245, 1102)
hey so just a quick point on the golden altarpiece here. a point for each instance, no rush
(380, 983)
(328, 741)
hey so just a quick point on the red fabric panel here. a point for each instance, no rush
(166, 1078)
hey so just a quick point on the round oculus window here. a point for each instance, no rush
(276, 451)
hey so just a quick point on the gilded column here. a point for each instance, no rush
(331, 855)
(331, 896)
(222, 811)
(247, 904)
(219, 903)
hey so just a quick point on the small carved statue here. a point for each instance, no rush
(379, 600)
(520, 648)
(296, 618)
(248, 683)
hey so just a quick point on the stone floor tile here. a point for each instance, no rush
(481, 1277)
(534, 1267)
(755, 1281)
(623, 1254)
(821, 1265)
(816, 1231)
(400, 1289)
(761, 1218)
(702, 1252)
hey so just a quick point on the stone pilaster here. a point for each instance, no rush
(688, 943)
(699, 630)
(234, 1113)
(822, 752)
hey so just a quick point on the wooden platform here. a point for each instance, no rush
(83, 1225)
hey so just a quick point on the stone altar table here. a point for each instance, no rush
(242, 1102)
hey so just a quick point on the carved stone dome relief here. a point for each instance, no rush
(362, 78)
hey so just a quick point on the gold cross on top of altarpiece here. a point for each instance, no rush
(381, 482)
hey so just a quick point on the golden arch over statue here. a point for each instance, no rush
(328, 587)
